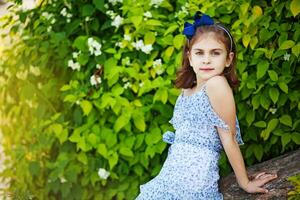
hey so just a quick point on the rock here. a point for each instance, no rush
(285, 166)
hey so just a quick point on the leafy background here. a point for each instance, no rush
(86, 90)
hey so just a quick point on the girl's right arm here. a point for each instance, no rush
(220, 94)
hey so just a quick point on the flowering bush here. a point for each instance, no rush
(86, 90)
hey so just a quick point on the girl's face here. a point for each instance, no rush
(208, 57)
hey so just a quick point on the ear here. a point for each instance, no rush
(229, 59)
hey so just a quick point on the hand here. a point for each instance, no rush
(255, 185)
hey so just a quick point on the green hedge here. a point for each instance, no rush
(87, 90)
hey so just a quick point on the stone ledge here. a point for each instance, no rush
(285, 166)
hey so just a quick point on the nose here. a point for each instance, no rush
(206, 59)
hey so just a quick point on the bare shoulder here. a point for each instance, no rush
(221, 98)
(218, 85)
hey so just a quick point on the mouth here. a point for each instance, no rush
(206, 69)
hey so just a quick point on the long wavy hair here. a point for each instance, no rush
(186, 77)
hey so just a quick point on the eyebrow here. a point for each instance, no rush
(211, 49)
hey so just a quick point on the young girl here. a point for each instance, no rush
(204, 119)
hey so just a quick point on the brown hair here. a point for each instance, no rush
(186, 77)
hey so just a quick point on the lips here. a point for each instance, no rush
(206, 68)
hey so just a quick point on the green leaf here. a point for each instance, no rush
(285, 139)
(82, 158)
(34, 168)
(99, 5)
(296, 137)
(153, 22)
(126, 151)
(86, 106)
(70, 98)
(153, 137)
(171, 29)
(113, 160)
(295, 7)
(264, 101)
(258, 151)
(83, 58)
(162, 95)
(168, 53)
(286, 120)
(272, 125)
(122, 120)
(80, 43)
(136, 20)
(88, 10)
(250, 117)
(138, 120)
(287, 44)
(149, 38)
(253, 42)
(296, 50)
(283, 86)
(273, 75)
(260, 124)
(102, 150)
(274, 94)
(178, 41)
(246, 39)
(262, 68)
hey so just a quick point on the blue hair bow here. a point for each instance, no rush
(189, 29)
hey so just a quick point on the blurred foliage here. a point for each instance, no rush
(86, 90)
(295, 193)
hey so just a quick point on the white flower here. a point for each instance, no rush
(126, 61)
(94, 47)
(98, 66)
(35, 70)
(111, 14)
(147, 48)
(157, 63)
(273, 110)
(138, 45)
(114, 2)
(156, 3)
(62, 179)
(47, 15)
(53, 21)
(124, 79)
(69, 15)
(75, 54)
(148, 14)
(286, 56)
(120, 44)
(141, 84)
(97, 52)
(87, 18)
(77, 102)
(159, 71)
(127, 37)
(103, 174)
(49, 29)
(95, 80)
(74, 66)
(28, 5)
(63, 12)
(68, 20)
(117, 21)
(127, 85)
(106, 6)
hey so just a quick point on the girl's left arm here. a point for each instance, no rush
(222, 101)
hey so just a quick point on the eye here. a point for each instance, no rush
(215, 53)
(199, 53)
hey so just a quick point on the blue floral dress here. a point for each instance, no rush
(190, 170)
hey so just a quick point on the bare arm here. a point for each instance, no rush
(218, 89)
